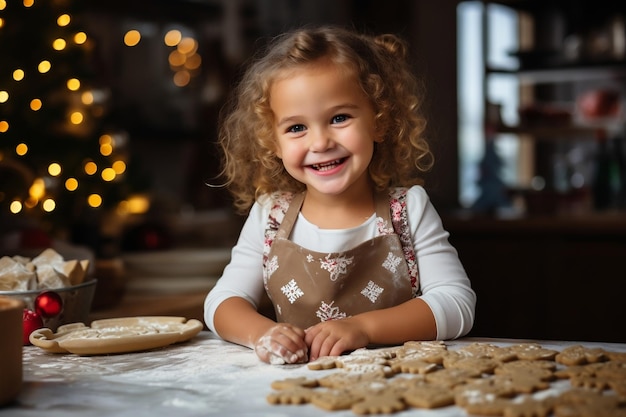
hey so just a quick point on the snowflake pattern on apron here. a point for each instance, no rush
(372, 291)
(293, 276)
(292, 291)
(336, 266)
(329, 312)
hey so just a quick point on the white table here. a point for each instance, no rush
(204, 376)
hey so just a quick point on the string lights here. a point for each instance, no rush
(184, 59)
(56, 155)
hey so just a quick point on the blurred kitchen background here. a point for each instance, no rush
(108, 120)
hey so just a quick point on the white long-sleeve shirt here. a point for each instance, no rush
(444, 284)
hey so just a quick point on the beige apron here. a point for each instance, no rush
(308, 287)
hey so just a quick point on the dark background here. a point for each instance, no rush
(544, 276)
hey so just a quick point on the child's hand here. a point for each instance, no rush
(282, 344)
(333, 337)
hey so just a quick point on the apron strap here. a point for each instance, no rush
(382, 206)
(290, 216)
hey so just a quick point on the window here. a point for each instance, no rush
(502, 91)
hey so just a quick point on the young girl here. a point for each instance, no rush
(323, 148)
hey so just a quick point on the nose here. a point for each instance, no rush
(320, 140)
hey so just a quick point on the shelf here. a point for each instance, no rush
(534, 5)
(550, 132)
(566, 73)
(556, 131)
(568, 94)
(607, 224)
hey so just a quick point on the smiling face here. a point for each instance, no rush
(324, 124)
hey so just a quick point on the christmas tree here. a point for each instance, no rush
(62, 161)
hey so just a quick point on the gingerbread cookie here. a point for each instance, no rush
(428, 396)
(540, 369)
(529, 407)
(373, 387)
(616, 356)
(384, 353)
(482, 404)
(334, 399)
(594, 383)
(451, 377)
(295, 395)
(382, 403)
(481, 390)
(325, 362)
(428, 351)
(413, 366)
(363, 363)
(482, 379)
(619, 386)
(340, 380)
(406, 382)
(294, 382)
(533, 352)
(573, 371)
(588, 403)
(480, 365)
(580, 355)
(488, 350)
(597, 376)
(523, 383)
(611, 370)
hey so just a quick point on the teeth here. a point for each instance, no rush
(326, 166)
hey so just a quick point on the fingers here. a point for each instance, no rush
(323, 342)
(282, 344)
(332, 338)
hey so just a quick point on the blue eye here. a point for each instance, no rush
(340, 118)
(296, 129)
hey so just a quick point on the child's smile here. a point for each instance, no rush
(327, 167)
(325, 128)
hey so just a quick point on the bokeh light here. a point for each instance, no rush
(132, 37)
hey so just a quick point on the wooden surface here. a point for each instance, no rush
(184, 298)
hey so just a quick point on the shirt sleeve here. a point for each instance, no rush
(444, 283)
(243, 276)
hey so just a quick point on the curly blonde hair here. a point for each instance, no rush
(247, 139)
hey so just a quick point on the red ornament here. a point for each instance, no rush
(32, 321)
(48, 304)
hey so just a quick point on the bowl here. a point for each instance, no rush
(77, 301)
